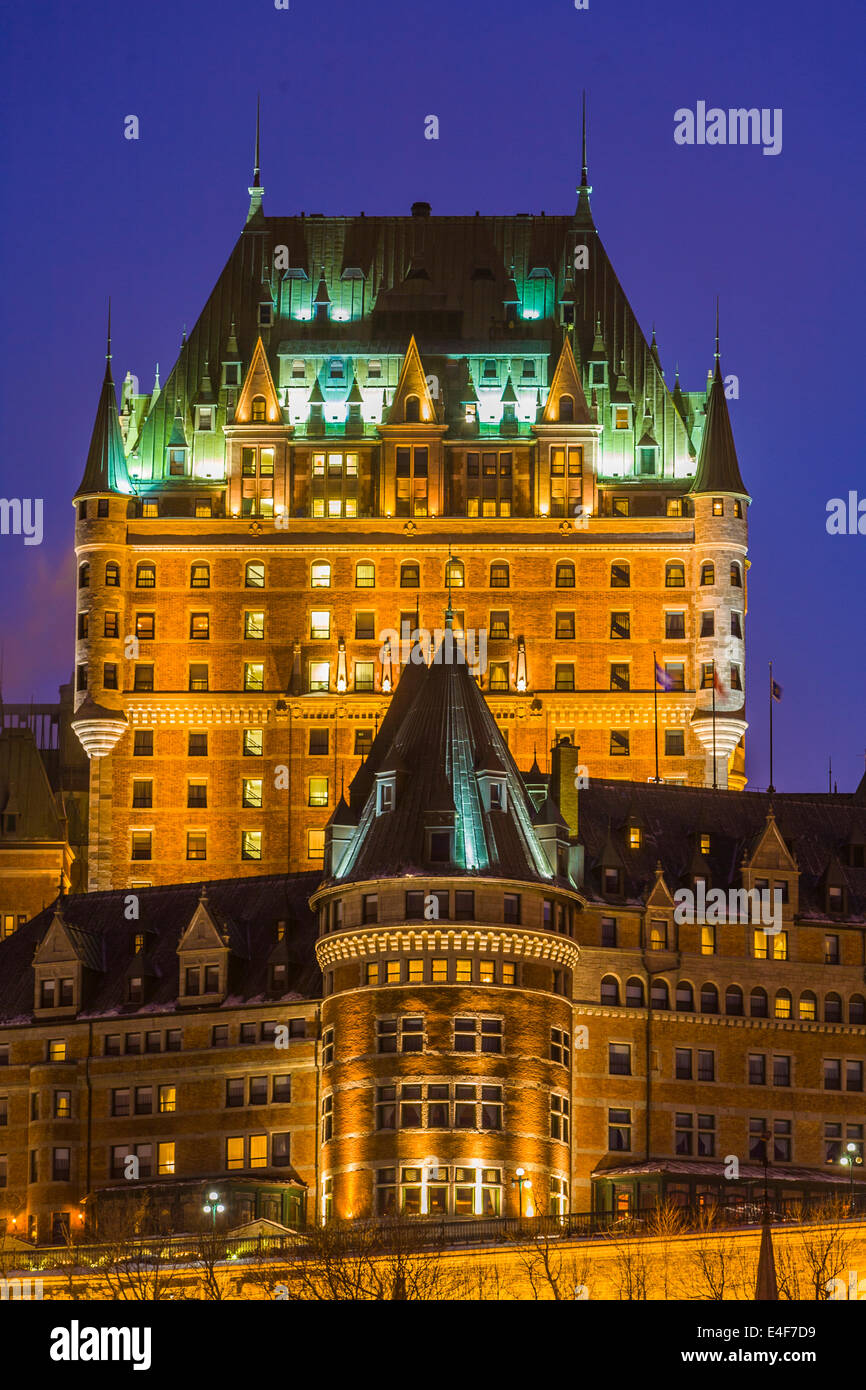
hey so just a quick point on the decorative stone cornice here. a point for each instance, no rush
(373, 941)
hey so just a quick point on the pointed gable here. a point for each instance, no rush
(258, 382)
(566, 382)
(769, 849)
(413, 382)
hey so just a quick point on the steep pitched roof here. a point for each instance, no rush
(25, 791)
(718, 469)
(447, 732)
(566, 382)
(246, 910)
(105, 469)
(259, 381)
(413, 382)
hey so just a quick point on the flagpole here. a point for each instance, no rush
(771, 788)
(715, 764)
(656, 711)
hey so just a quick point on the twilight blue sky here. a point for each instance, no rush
(345, 89)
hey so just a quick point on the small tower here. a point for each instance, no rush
(720, 504)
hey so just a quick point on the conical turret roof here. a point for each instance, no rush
(445, 735)
(718, 469)
(105, 469)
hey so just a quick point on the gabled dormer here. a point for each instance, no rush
(339, 836)
(492, 780)
(258, 403)
(551, 831)
(833, 894)
(389, 781)
(412, 403)
(177, 450)
(204, 957)
(770, 864)
(610, 868)
(568, 443)
(64, 959)
(659, 927)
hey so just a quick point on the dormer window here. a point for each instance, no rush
(610, 880)
(231, 374)
(705, 844)
(204, 419)
(337, 371)
(266, 314)
(646, 461)
(529, 369)
(177, 462)
(622, 417)
(634, 837)
(835, 898)
(598, 373)
(259, 410)
(299, 370)
(374, 370)
(491, 375)
(440, 844)
(385, 796)
(497, 796)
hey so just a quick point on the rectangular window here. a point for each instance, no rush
(196, 844)
(198, 676)
(199, 627)
(757, 1069)
(559, 1117)
(318, 791)
(619, 1059)
(364, 676)
(781, 1071)
(563, 676)
(251, 793)
(197, 745)
(251, 844)
(619, 743)
(675, 743)
(253, 743)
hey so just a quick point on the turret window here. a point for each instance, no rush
(736, 575)
(707, 624)
(112, 575)
(708, 572)
(738, 508)
(84, 576)
(718, 506)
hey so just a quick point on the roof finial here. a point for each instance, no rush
(584, 180)
(255, 189)
(717, 330)
(108, 336)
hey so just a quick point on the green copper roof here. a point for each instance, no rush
(105, 469)
(718, 469)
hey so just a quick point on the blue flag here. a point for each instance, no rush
(776, 690)
(663, 679)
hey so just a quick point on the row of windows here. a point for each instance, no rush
(441, 971)
(708, 1000)
(441, 905)
(436, 1105)
(695, 1135)
(470, 1034)
(141, 846)
(834, 1069)
(433, 1190)
(499, 574)
(170, 1040)
(252, 743)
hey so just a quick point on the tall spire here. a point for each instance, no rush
(105, 469)
(718, 469)
(255, 190)
(583, 214)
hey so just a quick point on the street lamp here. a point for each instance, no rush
(213, 1205)
(519, 1181)
(849, 1160)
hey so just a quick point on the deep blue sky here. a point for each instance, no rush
(345, 89)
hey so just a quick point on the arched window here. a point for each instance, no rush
(410, 574)
(454, 574)
(734, 1001)
(708, 572)
(758, 1003)
(620, 574)
(565, 575)
(258, 409)
(660, 995)
(685, 997)
(413, 410)
(709, 999)
(566, 410)
(84, 576)
(320, 575)
(145, 575)
(675, 574)
(112, 575)
(857, 1009)
(500, 577)
(634, 993)
(736, 574)
(365, 575)
(809, 1005)
(199, 575)
(832, 1008)
(782, 1007)
(254, 574)
(609, 990)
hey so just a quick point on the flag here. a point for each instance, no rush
(663, 679)
(775, 690)
(718, 682)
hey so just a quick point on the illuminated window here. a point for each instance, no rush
(196, 844)
(254, 575)
(320, 575)
(316, 845)
(318, 791)
(254, 626)
(634, 837)
(675, 574)
(708, 941)
(141, 845)
(254, 675)
(251, 844)
(439, 971)
(320, 675)
(199, 577)
(365, 575)
(145, 575)
(454, 574)
(320, 624)
(708, 572)
(621, 417)
(718, 506)
(57, 1050)
(253, 743)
